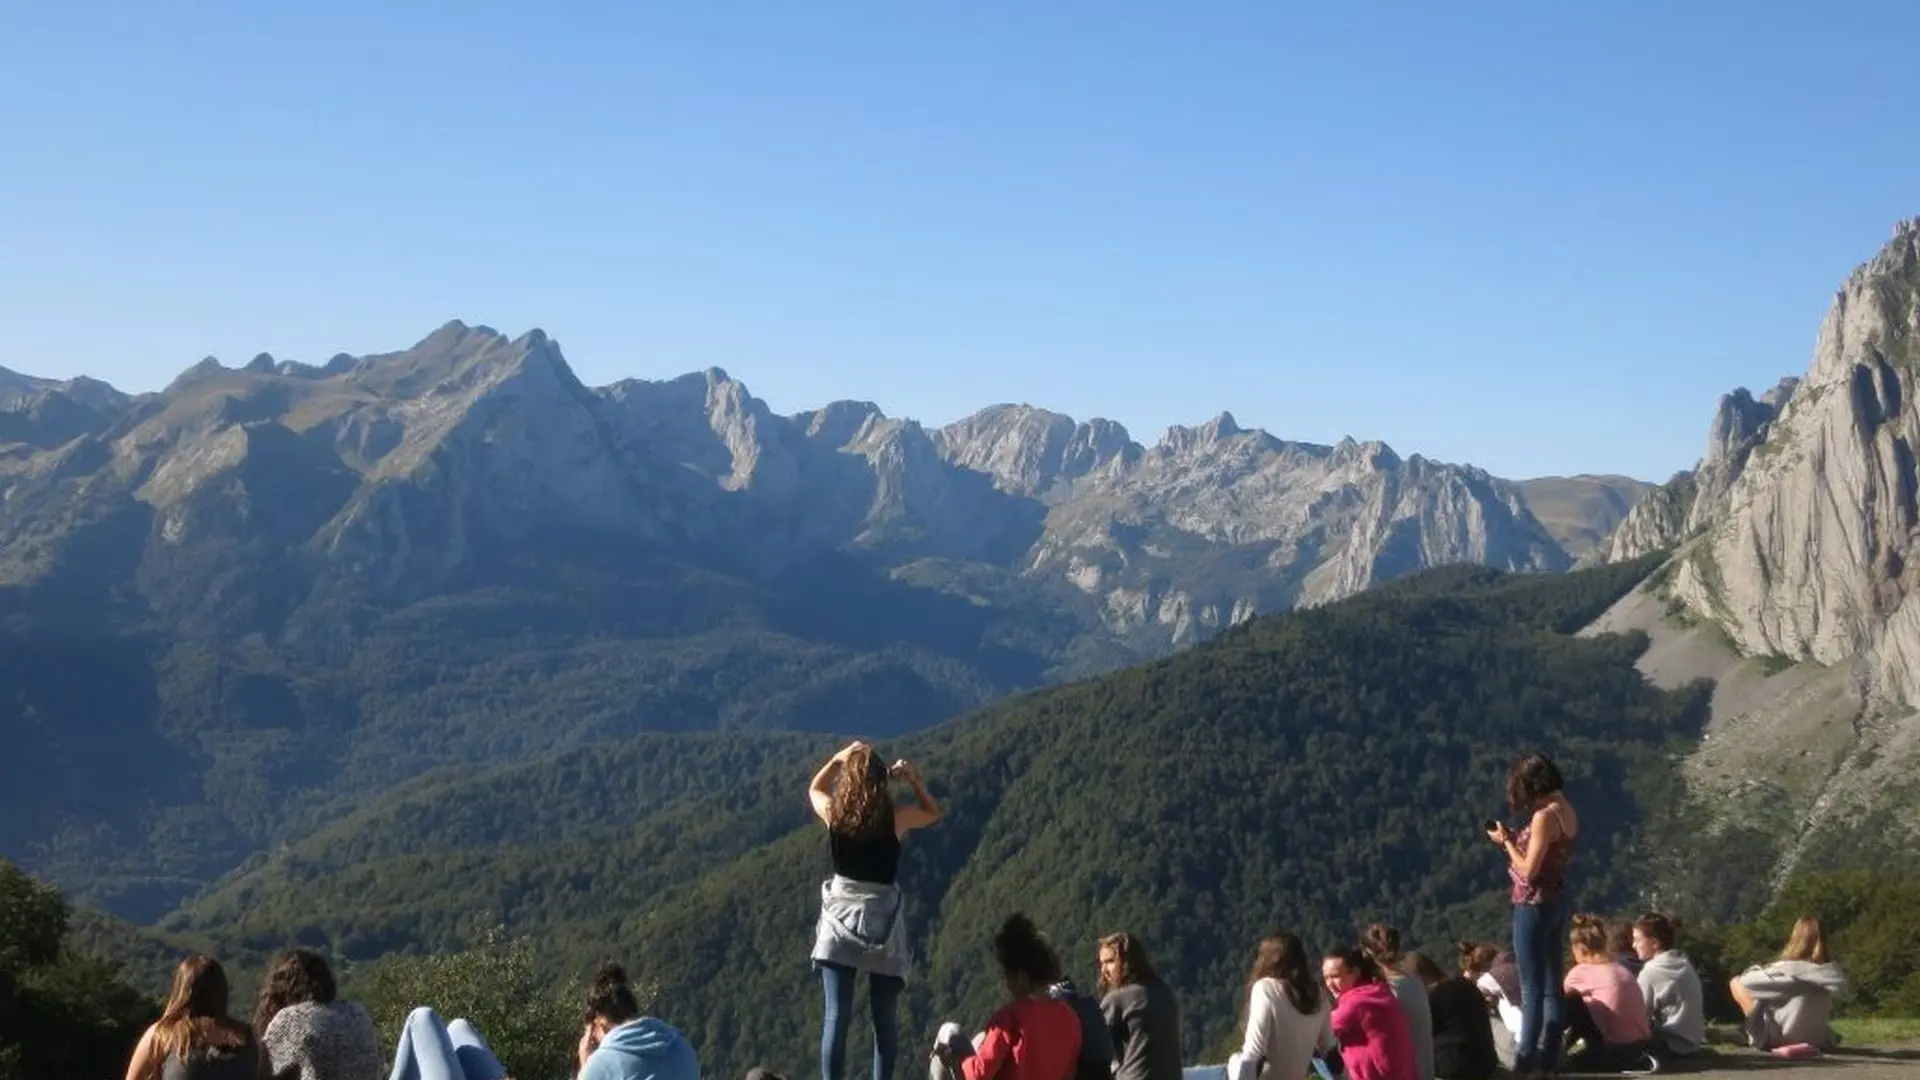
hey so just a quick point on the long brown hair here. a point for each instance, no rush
(1806, 942)
(862, 804)
(1135, 968)
(1422, 967)
(1383, 944)
(1283, 959)
(196, 1013)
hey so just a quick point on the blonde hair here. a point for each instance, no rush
(862, 805)
(1589, 935)
(1806, 942)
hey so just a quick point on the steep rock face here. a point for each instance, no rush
(1793, 591)
(1028, 451)
(1215, 524)
(1814, 557)
(1696, 499)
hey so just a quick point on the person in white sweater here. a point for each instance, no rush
(1671, 986)
(1289, 1019)
(1789, 1002)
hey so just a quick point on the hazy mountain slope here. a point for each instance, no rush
(1580, 512)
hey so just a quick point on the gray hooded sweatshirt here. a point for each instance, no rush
(1672, 989)
(1793, 1002)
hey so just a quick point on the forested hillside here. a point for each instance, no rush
(1312, 771)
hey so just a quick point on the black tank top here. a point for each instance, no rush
(235, 1063)
(876, 860)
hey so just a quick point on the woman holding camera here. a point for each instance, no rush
(862, 925)
(1537, 858)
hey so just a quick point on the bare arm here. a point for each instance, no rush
(820, 791)
(920, 813)
(1546, 830)
(143, 1066)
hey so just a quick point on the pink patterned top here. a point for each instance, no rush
(1548, 885)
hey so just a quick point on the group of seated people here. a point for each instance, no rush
(302, 1030)
(1633, 1003)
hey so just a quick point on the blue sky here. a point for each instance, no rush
(1538, 237)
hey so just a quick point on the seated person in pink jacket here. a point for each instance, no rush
(1376, 1042)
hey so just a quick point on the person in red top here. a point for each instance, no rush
(1376, 1042)
(1032, 1037)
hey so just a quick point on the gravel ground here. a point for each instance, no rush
(1856, 1063)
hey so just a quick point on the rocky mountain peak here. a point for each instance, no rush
(1023, 448)
(1782, 392)
(208, 368)
(1696, 498)
(15, 387)
(1372, 454)
(1180, 439)
(836, 423)
(1740, 420)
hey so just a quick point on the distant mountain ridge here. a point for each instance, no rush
(303, 583)
(407, 458)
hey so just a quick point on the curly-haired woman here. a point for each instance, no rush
(306, 1032)
(862, 926)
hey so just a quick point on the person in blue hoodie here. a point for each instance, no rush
(621, 1044)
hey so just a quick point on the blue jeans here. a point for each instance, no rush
(432, 1049)
(883, 999)
(1539, 931)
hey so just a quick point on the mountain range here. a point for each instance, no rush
(291, 586)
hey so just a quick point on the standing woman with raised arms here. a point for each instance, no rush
(1537, 858)
(862, 925)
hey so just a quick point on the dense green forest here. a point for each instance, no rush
(1312, 771)
(148, 760)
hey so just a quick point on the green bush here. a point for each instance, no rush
(1868, 920)
(60, 1014)
(495, 986)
